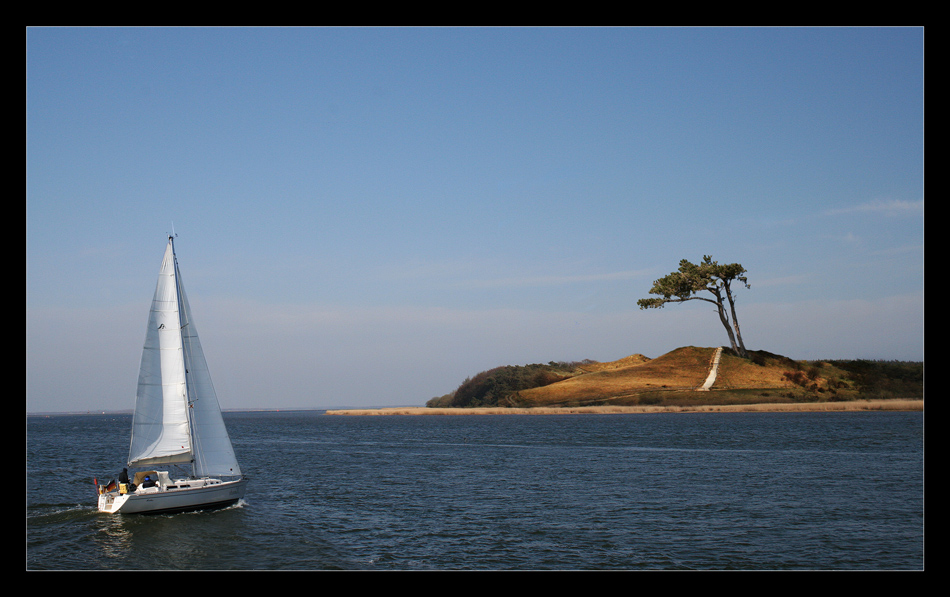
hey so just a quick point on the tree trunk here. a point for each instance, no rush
(735, 323)
(724, 318)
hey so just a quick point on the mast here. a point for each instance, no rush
(185, 355)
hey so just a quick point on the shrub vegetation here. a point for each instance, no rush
(496, 386)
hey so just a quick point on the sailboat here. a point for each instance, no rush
(177, 420)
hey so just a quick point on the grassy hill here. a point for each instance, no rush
(673, 379)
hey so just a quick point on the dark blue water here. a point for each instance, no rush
(709, 491)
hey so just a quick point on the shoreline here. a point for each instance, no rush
(850, 406)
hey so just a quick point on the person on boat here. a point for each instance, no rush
(148, 482)
(124, 476)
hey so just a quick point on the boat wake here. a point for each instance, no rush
(239, 505)
(43, 514)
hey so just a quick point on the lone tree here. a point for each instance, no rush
(684, 284)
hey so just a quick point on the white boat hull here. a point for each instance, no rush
(205, 494)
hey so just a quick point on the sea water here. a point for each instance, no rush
(701, 491)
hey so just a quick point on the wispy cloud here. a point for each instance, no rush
(886, 207)
(555, 280)
(795, 280)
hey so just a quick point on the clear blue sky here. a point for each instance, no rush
(367, 216)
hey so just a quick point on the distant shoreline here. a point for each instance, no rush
(850, 406)
(895, 404)
(129, 412)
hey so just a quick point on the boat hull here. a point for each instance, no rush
(217, 495)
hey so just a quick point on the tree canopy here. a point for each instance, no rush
(707, 276)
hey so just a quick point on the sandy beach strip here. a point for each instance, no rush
(855, 405)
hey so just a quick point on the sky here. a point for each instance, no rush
(365, 217)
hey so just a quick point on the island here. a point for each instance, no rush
(687, 379)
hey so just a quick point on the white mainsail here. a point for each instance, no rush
(177, 417)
